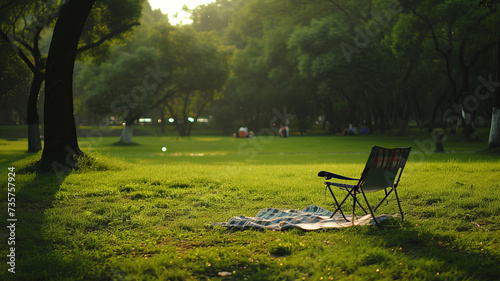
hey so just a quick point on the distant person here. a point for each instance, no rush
(284, 131)
(243, 132)
(364, 130)
(349, 131)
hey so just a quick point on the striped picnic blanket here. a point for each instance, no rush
(310, 218)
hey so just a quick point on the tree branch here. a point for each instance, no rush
(36, 50)
(171, 93)
(434, 37)
(22, 42)
(17, 51)
(340, 8)
(106, 37)
(438, 49)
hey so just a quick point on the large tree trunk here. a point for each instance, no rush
(34, 141)
(494, 140)
(60, 143)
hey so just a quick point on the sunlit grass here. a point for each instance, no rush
(137, 213)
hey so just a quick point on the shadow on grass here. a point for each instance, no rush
(471, 262)
(38, 253)
(35, 258)
(9, 158)
(489, 151)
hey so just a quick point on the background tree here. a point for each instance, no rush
(374, 63)
(263, 66)
(14, 82)
(215, 16)
(459, 33)
(28, 22)
(494, 138)
(179, 63)
(116, 87)
(208, 70)
(22, 29)
(379, 63)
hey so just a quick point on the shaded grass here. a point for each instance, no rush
(153, 219)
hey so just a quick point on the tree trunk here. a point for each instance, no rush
(181, 126)
(353, 109)
(437, 106)
(61, 144)
(163, 119)
(402, 117)
(329, 115)
(382, 122)
(403, 124)
(494, 140)
(34, 141)
(127, 133)
(469, 129)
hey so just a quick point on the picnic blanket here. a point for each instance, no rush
(310, 218)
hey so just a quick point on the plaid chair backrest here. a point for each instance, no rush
(382, 167)
(383, 158)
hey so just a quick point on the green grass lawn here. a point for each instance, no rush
(141, 213)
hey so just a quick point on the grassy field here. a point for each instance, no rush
(141, 213)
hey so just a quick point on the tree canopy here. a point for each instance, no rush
(161, 66)
(380, 64)
(26, 26)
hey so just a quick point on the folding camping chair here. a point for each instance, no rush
(382, 172)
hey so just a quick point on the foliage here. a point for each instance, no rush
(214, 16)
(181, 70)
(14, 82)
(374, 64)
(109, 22)
(460, 36)
(380, 63)
(104, 84)
(27, 27)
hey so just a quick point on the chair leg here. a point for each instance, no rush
(370, 208)
(399, 205)
(354, 207)
(351, 193)
(337, 203)
(361, 206)
(384, 199)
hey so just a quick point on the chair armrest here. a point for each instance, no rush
(328, 175)
(340, 185)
